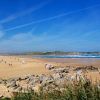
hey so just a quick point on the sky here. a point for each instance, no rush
(49, 25)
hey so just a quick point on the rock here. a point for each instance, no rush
(79, 68)
(47, 80)
(99, 70)
(86, 68)
(91, 68)
(57, 76)
(49, 66)
(19, 89)
(17, 79)
(13, 88)
(36, 88)
(33, 80)
(24, 78)
(11, 83)
(61, 70)
(79, 72)
(72, 78)
(42, 78)
(31, 77)
(10, 80)
(61, 82)
(1, 96)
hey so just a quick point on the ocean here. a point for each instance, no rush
(66, 56)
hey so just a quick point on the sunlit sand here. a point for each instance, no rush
(17, 66)
(20, 66)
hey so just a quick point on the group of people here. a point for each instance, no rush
(10, 64)
(2, 60)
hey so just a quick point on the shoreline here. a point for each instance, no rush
(26, 72)
(37, 65)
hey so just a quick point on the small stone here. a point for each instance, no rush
(11, 84)
(61, 70)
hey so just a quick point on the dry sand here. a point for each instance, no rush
(18, 66)
(22, 66)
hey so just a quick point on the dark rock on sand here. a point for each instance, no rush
(49, 66)
(11, 83)
(61, 70)
(90, 68)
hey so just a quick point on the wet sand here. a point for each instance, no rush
(74, 61)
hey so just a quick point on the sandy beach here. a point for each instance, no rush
(20, 66)
(12, 67)
(17, 66)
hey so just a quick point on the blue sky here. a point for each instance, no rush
(48, 25)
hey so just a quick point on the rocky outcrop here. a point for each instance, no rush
(61, 70)
(57, 80)
(90, 68)
(49, 66)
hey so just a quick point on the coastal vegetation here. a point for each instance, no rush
(59, 86)
(63, 82)
(77, 90)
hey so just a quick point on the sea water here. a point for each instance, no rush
(66, 56)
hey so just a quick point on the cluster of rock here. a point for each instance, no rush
(59, 78)
(90, 68)
(31, 81)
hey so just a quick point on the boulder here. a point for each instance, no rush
(11, 83)
(36, 88)
(49, 66)
(57, 76)
(91, 68)
(47, 80)
(61, 70)
(19, 89)
(33, 80)
(43, 78)
(10, 80)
